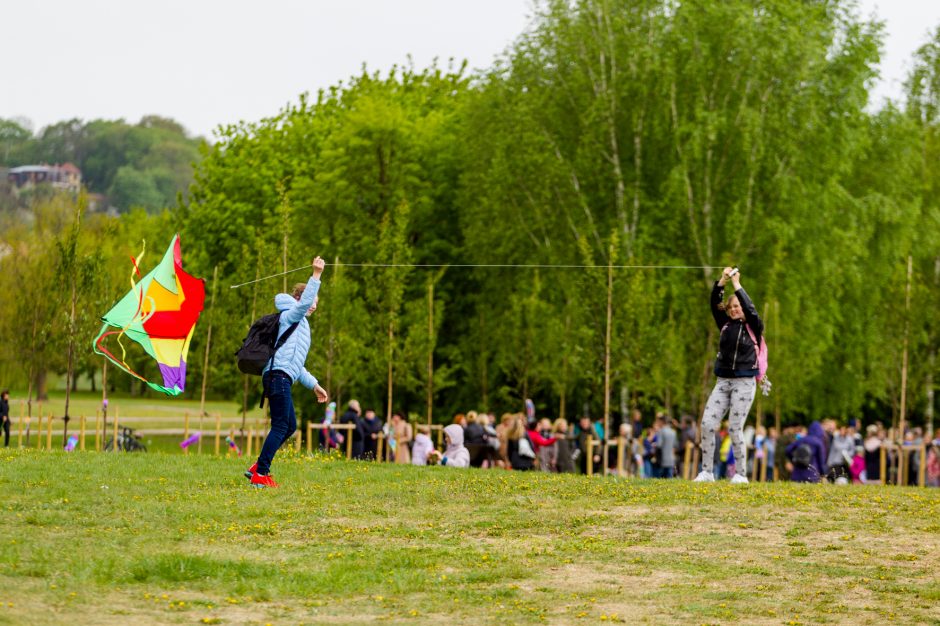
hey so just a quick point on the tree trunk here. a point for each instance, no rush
(42, 394)
(391, 353)
(430, 350)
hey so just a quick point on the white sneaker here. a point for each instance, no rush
(738, 479)
(704, 477)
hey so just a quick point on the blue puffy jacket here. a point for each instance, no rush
(292, 356)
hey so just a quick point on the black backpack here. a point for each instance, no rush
(262, 342)
(802, 456)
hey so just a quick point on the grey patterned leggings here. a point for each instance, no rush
(735, 394)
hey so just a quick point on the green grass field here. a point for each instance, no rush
(94, 538)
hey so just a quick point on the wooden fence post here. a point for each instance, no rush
(81, 439)
(251, 436)
(380, 447)
(621, 445)
(309, 437)
(590, 456)
(904, 465)
(755, 466)
(186, 431)
(19, 428)
(49, 432)
(884, 464)
(218, 432)
(116, 448)
(922, 468)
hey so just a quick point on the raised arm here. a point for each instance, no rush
(750, 311)
(307, 298)
(718, 293)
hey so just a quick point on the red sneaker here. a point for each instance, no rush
(251, 471)
(257, 480)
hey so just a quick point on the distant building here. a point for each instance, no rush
(65, 176)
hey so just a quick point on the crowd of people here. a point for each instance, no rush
(652, 448)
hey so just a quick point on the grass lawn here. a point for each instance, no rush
(94, 538)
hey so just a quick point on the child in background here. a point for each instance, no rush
(422, 446)
(857, 467)
(933, 464)
(456, 455)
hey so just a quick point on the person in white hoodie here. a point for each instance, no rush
(456, 455)
(422, 446)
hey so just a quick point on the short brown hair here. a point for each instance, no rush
(298, 290)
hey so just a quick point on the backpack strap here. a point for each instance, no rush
(277, 346)
(755, 338)
(283, 338)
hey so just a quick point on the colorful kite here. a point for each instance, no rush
(160, 314)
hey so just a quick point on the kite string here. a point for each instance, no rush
(140, 298)
(490, 265)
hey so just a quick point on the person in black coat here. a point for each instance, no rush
(371, 427)
(5, 416)
(351, 416)
(474, 439)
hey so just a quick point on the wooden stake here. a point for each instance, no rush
(19, 427)
(49, 432)
(610, 293)
(186, 431)
(251, 436)
(116, 420)
(200, 431)
(218, 432)
(778, 342)
(907, 309)
(205, 361)
(81, 437)
(922, 468)
(430, 349)
(104, 405)
(97, 431)
(590, 456)
(391, 353)
(564, 367)
(884, 464)
(621, 444)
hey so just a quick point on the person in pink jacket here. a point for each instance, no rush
(857, 467)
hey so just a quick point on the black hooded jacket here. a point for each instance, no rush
(737, 354)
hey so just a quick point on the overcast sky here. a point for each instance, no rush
(211, 62)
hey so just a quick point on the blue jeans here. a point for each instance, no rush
(283, 419)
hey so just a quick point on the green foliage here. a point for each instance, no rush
(143, 165)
